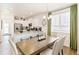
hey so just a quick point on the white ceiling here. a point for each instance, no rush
(28, 9)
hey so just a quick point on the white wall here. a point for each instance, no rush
(0, 30)
(78, 30)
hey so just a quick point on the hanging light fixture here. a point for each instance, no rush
(49, 14)
(49, 17)
(44, 17)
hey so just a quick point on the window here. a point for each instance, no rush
(61, 22)
(5, 27)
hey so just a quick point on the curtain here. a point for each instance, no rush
(49, 24)
(73, 27)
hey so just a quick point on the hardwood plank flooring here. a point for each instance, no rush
(69, 51)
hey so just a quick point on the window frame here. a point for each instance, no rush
(59, 13)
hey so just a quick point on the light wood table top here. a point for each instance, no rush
(33, 46)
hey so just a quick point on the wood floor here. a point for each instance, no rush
(69, 51)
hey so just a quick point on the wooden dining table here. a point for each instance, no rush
(33, 46)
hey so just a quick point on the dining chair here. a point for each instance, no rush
(13, 47)
(56, 48)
